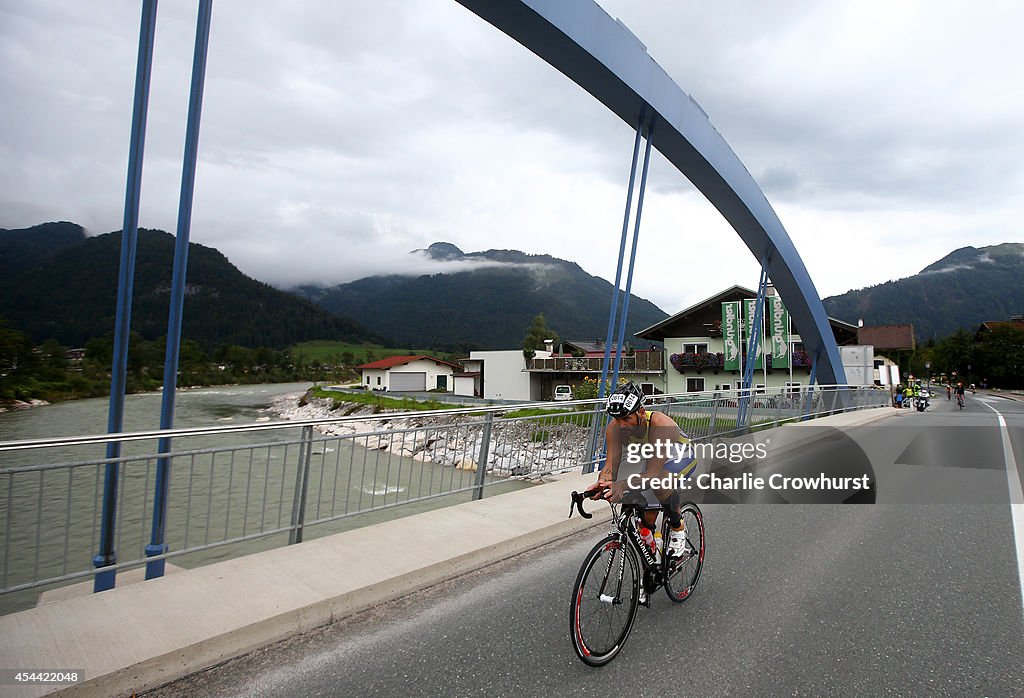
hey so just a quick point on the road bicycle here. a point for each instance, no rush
(606, 597)
(960, 400)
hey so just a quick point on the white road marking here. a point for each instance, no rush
(1016, 496)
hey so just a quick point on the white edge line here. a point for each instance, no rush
(1016, 497)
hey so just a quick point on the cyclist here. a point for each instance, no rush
(959, 391)
(632, 425)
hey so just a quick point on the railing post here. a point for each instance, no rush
(485, 452)
(714, 416)
(301, 486)
(597, 421)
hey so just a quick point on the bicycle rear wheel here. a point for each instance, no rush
(685, 571)
(604, 601)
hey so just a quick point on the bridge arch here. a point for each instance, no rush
(581, 40)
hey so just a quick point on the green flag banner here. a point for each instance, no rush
(748, 309)
(778, 324)
(731, 334)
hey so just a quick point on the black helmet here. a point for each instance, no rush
(626, 400)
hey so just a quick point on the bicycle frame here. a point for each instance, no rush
(627, 519)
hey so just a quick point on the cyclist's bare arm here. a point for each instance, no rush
(606, 478)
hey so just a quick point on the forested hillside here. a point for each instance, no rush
(960, 291)
(486, 307)
(58, 284)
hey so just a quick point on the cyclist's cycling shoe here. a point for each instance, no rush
(678, 545)
(642, 599)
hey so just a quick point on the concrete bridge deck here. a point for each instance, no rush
(140, 636)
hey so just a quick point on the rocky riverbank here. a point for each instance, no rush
(522, 447)
(21, 404)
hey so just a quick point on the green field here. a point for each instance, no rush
(325, 351)
(378, 401)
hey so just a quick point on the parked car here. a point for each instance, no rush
(563, 392)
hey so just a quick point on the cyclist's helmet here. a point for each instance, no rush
(626, 400)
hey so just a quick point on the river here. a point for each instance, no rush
(50, 520)
(196, 407)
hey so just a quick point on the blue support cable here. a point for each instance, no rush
(589, 465)
(632, 258)
(753, 341)
(618, 269)
(106, 557)
(158, 543)
(810, 386)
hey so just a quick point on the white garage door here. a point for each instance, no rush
(401, 382)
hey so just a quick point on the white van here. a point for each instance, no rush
(563, 392)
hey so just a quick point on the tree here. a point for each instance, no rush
(953, 354)
(18, 363)
(537, 333)
(1000, 357)
(53, 361)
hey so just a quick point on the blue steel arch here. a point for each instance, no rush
(600, 55)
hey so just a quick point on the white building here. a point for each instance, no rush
(502, 375)
(695, 349)
(409, 373)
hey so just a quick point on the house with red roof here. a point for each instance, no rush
(398, 374)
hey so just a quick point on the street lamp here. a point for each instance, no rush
(928, 368)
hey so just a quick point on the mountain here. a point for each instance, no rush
(57, 283)
(21, 248)
(963, 289)
(485, 300)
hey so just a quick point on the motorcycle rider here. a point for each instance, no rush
(920, 394)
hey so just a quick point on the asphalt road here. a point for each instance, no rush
(917, 594)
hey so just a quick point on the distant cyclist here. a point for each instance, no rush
(630, 428)
(959, 391)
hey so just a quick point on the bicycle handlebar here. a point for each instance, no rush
(578, 497)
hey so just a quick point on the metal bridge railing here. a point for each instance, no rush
(237, 489)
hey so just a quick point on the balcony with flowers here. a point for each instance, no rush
(690, 361)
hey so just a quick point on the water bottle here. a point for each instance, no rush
(648, 537)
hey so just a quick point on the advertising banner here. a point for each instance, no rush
(731, 335)
(748, 310)
(778, 325)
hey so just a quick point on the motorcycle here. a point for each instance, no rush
(921, 401)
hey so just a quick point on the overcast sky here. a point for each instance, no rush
(337, 136)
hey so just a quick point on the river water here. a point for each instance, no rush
(50, 519)
(198, 407)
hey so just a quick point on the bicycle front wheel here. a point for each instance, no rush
(604, 601)
(685, 571)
